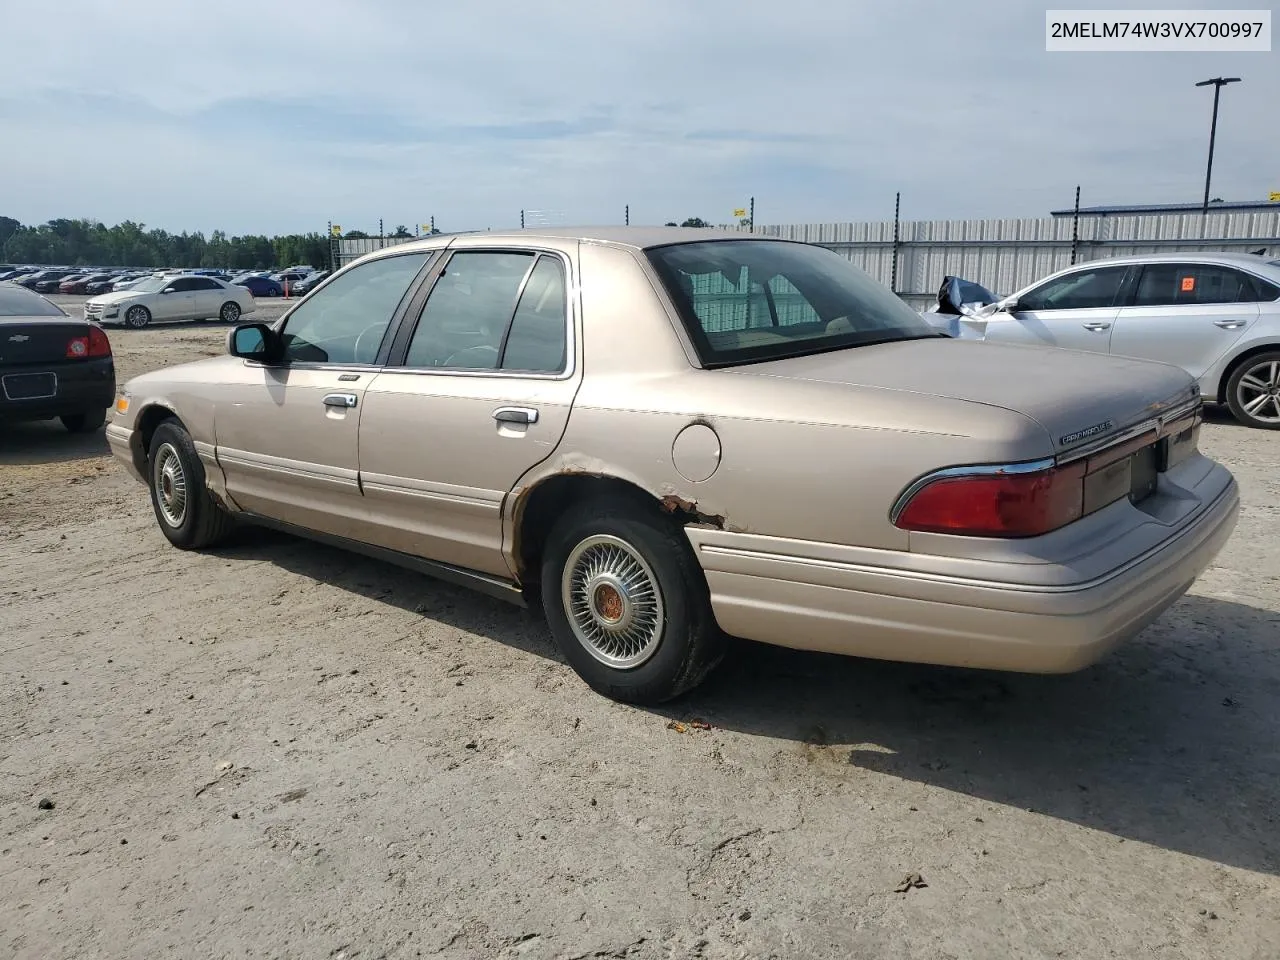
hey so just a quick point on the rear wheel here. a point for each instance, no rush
(230, 312)
(86, 422)
(137, 316)
(188, 516)
(627, 602)
(1253, 392)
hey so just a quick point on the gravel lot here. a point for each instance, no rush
(277, 750)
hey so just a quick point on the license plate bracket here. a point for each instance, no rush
(1144, 471)
(29, 386)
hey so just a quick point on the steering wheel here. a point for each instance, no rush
(369, 336)
(480, 357)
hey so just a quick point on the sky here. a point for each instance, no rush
(279, 116)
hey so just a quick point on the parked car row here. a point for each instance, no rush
(1215, 315)
(94, 280)
(661, 437)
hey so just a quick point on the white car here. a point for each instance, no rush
(171, 298)
(1216, 315)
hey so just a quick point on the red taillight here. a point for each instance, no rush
(99, 345)
(1007, 504)
(95, 344)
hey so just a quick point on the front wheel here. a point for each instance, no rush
(230, 312)
(137, 316)
(188, 516)
(1253, 392)
(627, 602)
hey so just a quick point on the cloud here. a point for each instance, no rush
(279, 117)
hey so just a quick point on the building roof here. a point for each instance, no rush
(1157, 208)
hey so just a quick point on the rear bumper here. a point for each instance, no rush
(860, 609)
(82, 386)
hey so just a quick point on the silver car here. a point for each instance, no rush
(1216, 315)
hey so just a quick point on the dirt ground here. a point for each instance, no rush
(277, 749)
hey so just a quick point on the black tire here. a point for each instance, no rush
(86, 422)
(1259, 369)
(229, 312)
(137, 316)
(201, 523)
(688, 642)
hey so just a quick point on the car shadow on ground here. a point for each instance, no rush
(47, 441)
(1169, 741)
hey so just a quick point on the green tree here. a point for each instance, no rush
(695, 222)
(401, 232)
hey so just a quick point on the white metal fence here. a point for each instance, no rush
(1006, 255)
(1002, 255)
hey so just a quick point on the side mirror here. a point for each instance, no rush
(256, 342)
(1007, 305)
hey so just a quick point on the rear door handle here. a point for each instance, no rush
(1230, 324)
(346, 400)
(1097, 326)
(525, 415)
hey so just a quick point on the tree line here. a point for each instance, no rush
(90, 243)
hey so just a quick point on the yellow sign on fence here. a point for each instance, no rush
(740, 212)
(1275, 197)
(335, 230)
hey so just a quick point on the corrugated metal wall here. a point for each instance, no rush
(1006, 255)
(1002, 255)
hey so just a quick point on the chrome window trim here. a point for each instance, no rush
(975, 470)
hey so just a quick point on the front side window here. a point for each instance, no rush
(749, 300)
(1082, 290)
(346, 321)
(464, 321)
(182, 285)
(1180, 284)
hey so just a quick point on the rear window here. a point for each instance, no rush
(16, 301)
(750, 300)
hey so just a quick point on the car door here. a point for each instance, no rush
(176, 301)
(287, 435)
(1075, 310)
(208, 297)
(479, 391)
(1186, 313)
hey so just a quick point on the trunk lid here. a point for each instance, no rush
(1079, 398)
(37, 340)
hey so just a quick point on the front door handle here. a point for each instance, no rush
(1097, 326)
(346, 400)
(524, 415)
(1230, 324)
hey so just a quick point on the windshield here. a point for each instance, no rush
(18, 302)
(151, 284)
(749, 300)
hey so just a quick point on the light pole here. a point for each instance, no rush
(1217, 83)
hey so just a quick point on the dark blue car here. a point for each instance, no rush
(261, 286)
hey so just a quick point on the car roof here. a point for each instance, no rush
(638, 238)
(1226, 258)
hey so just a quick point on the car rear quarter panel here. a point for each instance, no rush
(799, 459)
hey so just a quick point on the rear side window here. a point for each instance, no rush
(1082, 290)
(465, 318)
(1182, 284)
